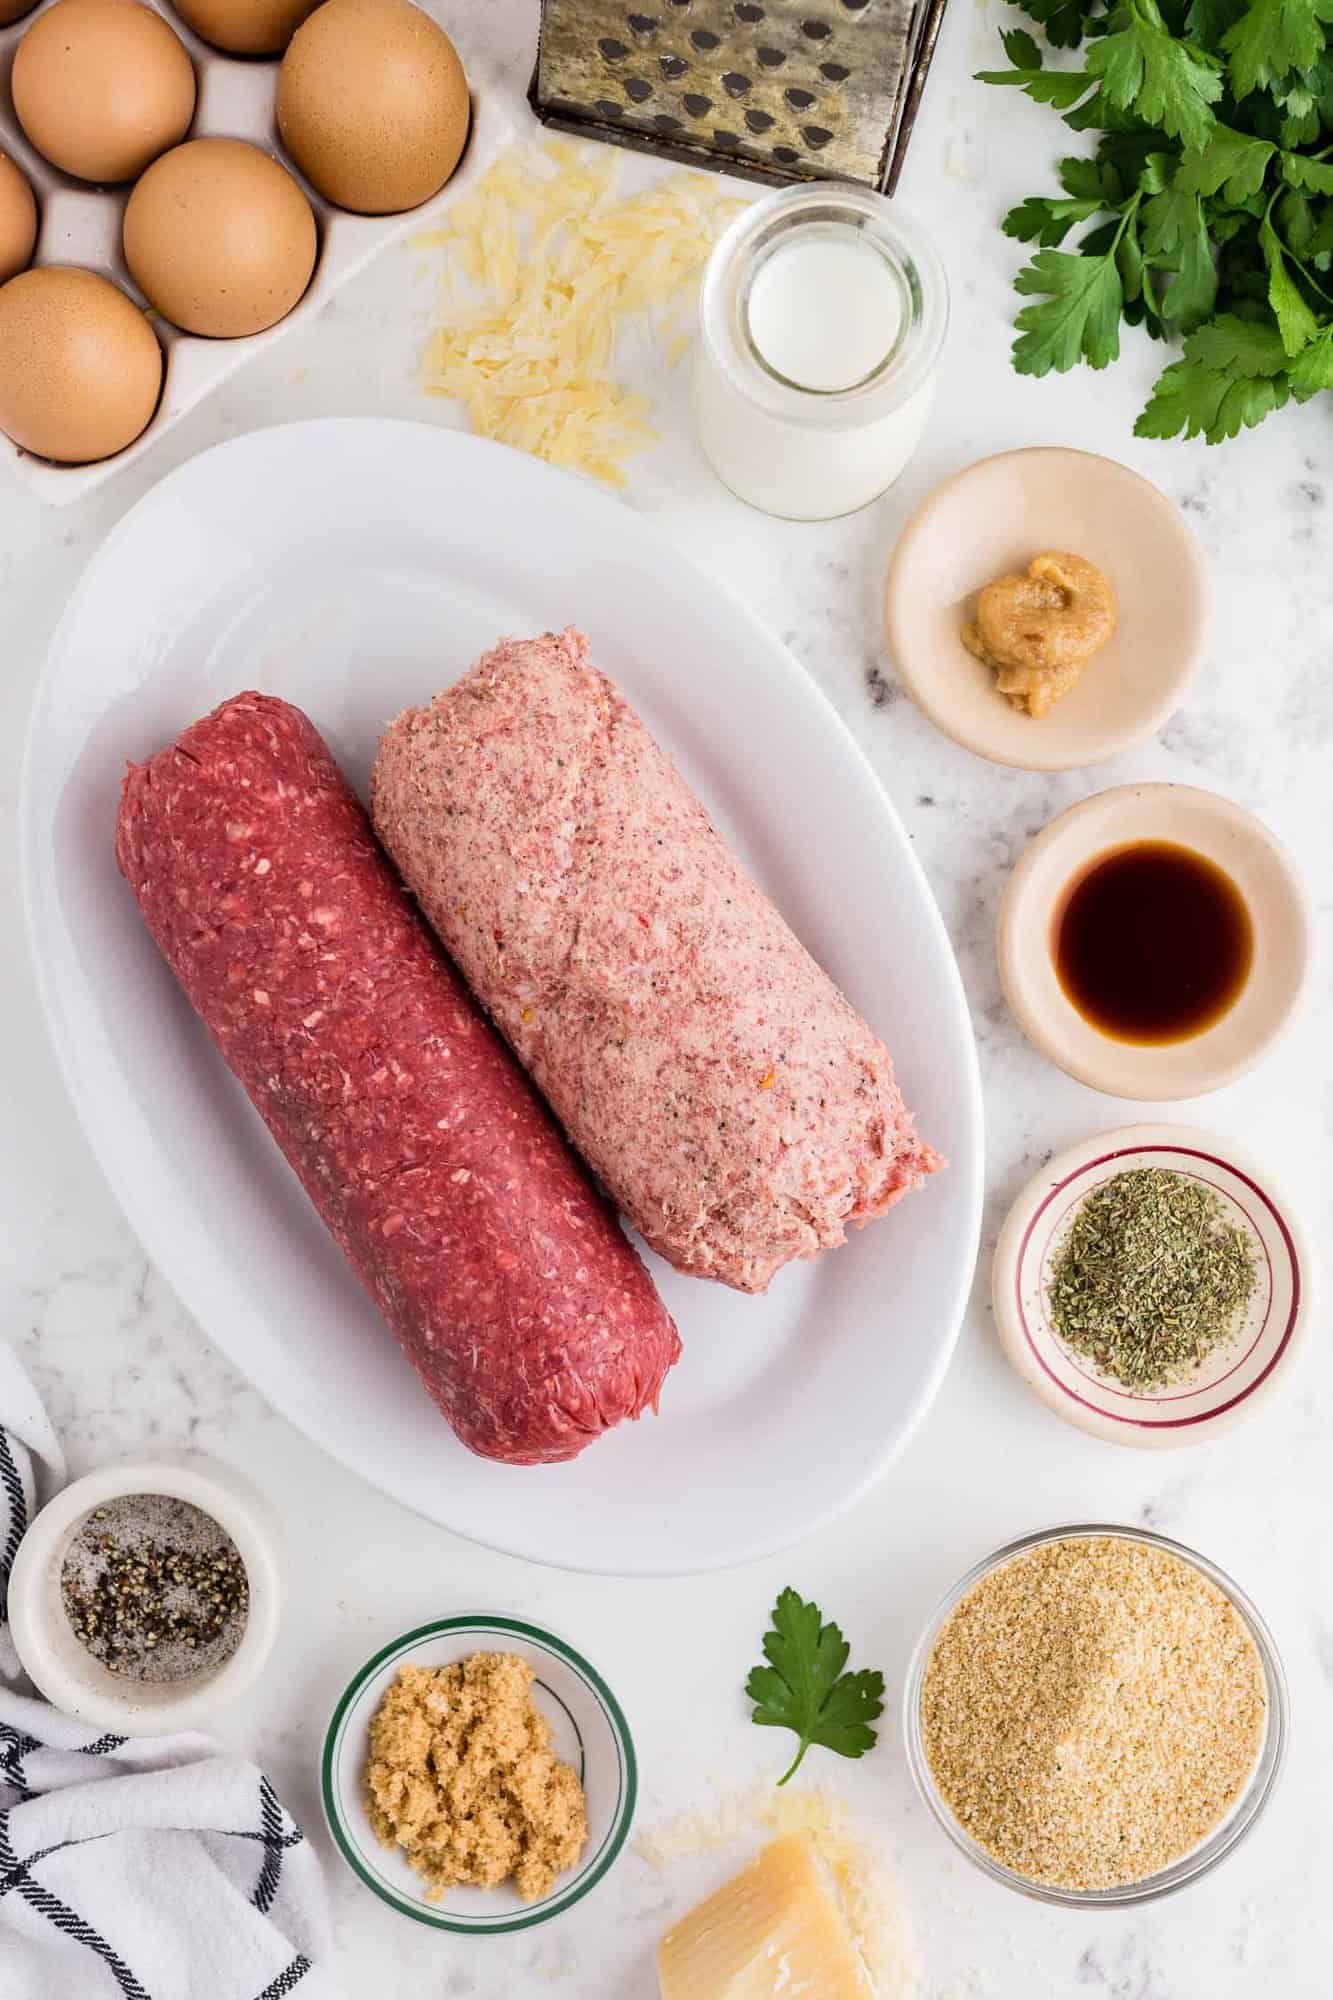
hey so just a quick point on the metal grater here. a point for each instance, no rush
(784, 91)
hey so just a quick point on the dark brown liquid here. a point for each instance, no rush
(1152, 942)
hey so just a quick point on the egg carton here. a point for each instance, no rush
(81, 224)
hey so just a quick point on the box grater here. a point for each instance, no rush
(781, 91)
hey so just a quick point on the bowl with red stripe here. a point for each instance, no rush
(1233, 1379)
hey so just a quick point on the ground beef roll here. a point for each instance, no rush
(732, 1101)
(504, 1275)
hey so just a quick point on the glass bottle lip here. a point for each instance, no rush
(774, 220)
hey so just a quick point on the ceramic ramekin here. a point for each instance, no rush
(1224, 1837)
(1225, 834)
(989, 521)
(589, 1731)
(62, 1667)
(1232, 1381)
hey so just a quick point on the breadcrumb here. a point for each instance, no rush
(1092, 1710)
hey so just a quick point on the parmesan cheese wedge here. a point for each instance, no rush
(775, 1932)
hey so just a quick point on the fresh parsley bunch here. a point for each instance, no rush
(1210, 196)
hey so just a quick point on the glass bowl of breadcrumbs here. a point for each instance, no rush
(1096, 1715)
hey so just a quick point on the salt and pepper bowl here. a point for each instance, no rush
(58, 1662)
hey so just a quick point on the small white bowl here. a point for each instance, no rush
(589, 1731)
(989, 521)
(1243, 848)
(1232, 1381)
(59, 1664)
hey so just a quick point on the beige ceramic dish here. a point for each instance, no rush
(1231, 1383)
(989, 521)
(1245, 850)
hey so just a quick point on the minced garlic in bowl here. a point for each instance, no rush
(462, 1777)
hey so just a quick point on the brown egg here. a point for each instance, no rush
(18, 220)
(245, 27)
(80, 367)
(219, 238)
(101, 87)
(14, 10)
(373, 104)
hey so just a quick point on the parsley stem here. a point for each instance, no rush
(1287, 250)
(1304, 270)
(1130, 211)
(793, 1768)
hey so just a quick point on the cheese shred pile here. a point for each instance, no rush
(869, 1896)
(552, 261)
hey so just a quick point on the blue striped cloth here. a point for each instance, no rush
(142, 1869)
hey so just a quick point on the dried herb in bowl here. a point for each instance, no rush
(1150, 1277)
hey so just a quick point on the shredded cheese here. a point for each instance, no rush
(552, 262)
(870, 1900)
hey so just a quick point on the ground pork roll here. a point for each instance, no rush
(733, 1102)
(503, 1273)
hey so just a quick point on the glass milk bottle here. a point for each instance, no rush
(822, 315)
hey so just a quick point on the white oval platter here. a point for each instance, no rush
(354, 567)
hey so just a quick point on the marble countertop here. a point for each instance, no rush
(124, 1367)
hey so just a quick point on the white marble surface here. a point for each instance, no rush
(124, 1367)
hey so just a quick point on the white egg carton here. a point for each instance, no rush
(80, 224)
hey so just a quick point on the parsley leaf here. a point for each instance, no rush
(1237, 346)
(1315, 175)
(1272, 38)
(1300, 113)
(1312, 370)
(1208, 20)
(1041, 219)
(1321, 243)
(1064, 21)
(1139, 303)
(1132, 154)
(1061, 87)
(1175, 241)
(1296, 323)
(1078, 317)
(1096, 180)
(1293, 217)
(1232, 164)
(1166, 82)
(1021, 48)
(1232, 376)
(803, 1688)
(1193, 401)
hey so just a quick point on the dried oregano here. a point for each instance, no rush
(1150, 1277)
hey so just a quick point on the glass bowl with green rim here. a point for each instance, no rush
(1229, 1831)
(589, 1731)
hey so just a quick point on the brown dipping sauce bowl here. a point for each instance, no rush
(1154, 941)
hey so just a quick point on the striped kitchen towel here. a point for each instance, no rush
(141, 1869)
